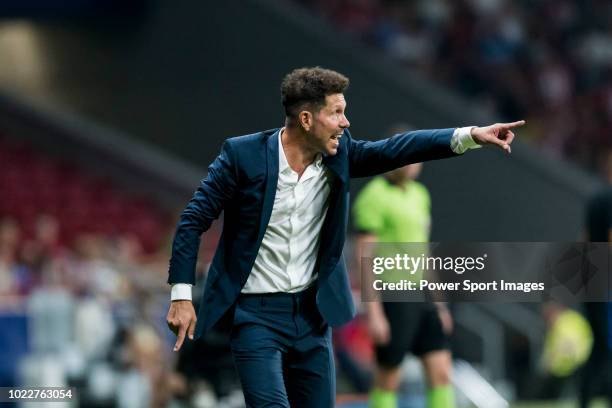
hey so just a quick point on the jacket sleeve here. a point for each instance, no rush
(204, 207)
(369, 158)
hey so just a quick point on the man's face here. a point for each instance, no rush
(328, 124)
(406, 173)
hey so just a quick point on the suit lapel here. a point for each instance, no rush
(271, 182)
(332, 233)
(334, 164)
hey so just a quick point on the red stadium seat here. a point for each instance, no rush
(34, 184)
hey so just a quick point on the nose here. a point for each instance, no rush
(345, 122)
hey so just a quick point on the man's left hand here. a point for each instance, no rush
(499, 134)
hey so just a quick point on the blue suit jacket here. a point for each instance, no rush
(242, 181)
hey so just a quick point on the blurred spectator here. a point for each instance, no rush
(150, 381)
(9, 279)
(568, 341)
(92, 267)
(567, 346)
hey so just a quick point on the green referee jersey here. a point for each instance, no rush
(395, 215)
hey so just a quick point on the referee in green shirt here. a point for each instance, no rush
(395, 208)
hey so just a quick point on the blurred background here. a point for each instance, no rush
(111, 111)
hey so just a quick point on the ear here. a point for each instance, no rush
(305, 119)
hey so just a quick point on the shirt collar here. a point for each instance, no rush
(318, 161)
(283, 164)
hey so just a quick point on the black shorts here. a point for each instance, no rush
(415, 328)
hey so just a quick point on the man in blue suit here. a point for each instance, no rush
(278, 274)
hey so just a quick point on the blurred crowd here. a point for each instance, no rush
(89, 315)
(546, 61)
(94, 314)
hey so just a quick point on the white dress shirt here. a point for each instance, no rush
(288, 253)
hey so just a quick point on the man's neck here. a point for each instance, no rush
(298, 154)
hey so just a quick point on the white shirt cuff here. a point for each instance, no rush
(462, 140)
(180, 291)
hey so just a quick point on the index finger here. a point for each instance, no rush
(180, 337)
(513, 124)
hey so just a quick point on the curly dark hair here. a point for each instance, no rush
(310, 86)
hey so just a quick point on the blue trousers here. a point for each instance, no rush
(283, 352)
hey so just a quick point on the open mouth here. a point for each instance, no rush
(336, 136)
